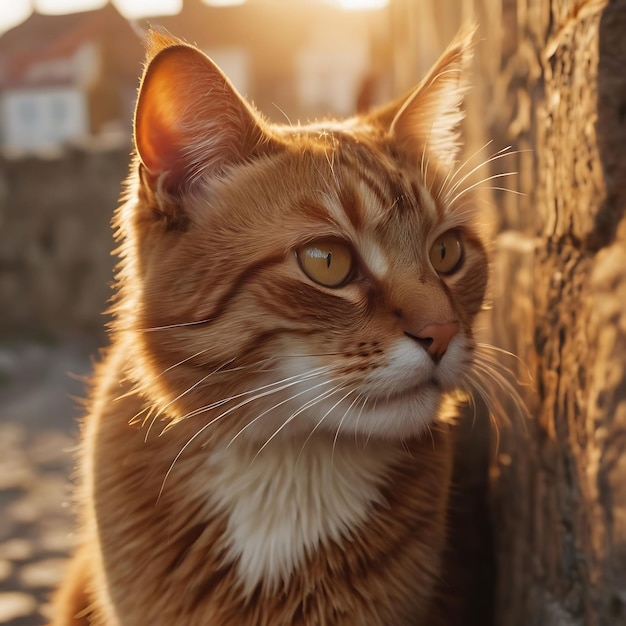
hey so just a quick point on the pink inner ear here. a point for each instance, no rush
(158, 143)
(189, 117)
(166, 91)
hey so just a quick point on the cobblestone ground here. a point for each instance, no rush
(38, 434)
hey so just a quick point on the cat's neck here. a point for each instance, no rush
(293, 496)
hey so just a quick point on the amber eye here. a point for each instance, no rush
(446, 254)
(327, 263)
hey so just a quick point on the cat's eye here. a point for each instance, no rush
(328, 263)
(446, 253)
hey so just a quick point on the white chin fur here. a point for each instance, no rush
(397, 400)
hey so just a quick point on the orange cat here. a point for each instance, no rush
(263, 445)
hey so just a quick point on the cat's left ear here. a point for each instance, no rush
(427, 122)
(189, 118)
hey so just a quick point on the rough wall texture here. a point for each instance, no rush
(559, 491)
(55, 241)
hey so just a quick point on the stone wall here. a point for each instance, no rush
(56, 241)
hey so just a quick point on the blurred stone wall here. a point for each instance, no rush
(56, 241)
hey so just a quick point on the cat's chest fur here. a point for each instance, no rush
(302, 533)
(285, 502)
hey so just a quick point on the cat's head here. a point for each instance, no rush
(285, 280)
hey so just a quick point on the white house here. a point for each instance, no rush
(64, 78)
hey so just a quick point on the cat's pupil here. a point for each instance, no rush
(442, 250)
(328, 258)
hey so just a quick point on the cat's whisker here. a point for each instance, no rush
(371, 430)
(267, 389)
(152, 422)
(134, 419)
(358, 418)
(170, 326)
(453, 173)
(515, 192)
(456, 182)
(424, 165)
(463, 190)
(478, 183)
(459, 183)
(332, 454)
(299, 378)
(283, 113)
(476, 385)
(331, 159)
(505, 384)
(182, 450)
(195, 385)
(486, 378)
(442, 186)
(323, 396)
(304, 355)
(465, 213)
(278, 404)
(223, 370)
(317, 424)
(489, 346)
(164, 408)
(131, 392)
(185, 360)
(357, 399)
(483, 356)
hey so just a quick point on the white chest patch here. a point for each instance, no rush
(287, 501)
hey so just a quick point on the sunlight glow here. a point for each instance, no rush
(11, 14)
(56, 7)
(359, 5)
(132, 9)
(223, 3)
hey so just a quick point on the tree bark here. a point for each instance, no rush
(559, 488)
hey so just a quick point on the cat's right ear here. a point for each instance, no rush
(189, 119)
(428, 120)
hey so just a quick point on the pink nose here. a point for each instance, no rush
(435, 338)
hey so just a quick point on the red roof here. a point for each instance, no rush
(42, 39)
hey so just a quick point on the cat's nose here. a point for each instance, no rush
(435, 338)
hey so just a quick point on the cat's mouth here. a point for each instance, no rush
(413, 392)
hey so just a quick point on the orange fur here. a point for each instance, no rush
(237, 386)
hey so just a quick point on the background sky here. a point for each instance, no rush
(12, 12)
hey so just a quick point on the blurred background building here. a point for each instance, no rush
(72, 77)
(67, 77)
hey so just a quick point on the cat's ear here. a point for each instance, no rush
(427, 122)
(189, 118)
